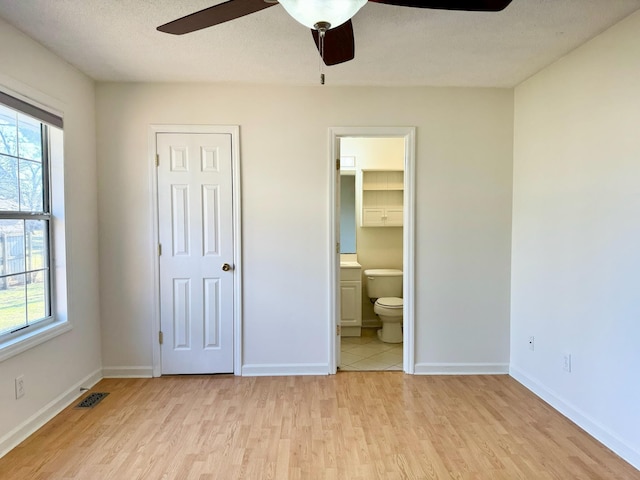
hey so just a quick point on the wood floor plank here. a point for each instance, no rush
(354, 425)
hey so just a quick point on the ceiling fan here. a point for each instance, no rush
(334, 38)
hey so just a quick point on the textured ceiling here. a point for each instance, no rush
(116, 40)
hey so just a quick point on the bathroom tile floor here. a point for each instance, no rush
(367, 352)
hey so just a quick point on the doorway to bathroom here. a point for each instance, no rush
(372, 227)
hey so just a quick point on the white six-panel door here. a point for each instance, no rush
(195, 229)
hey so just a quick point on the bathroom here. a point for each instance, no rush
(371, 238)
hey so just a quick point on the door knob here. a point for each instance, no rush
(226, 267)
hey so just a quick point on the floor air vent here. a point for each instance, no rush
(91, 400)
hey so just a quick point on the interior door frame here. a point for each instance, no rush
(408, 237)
(234, 131)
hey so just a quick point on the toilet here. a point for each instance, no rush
(384, 286)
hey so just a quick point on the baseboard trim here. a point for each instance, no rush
(275, 370)
(16, 436)
(127, 372)
(592, 427)
(461, 369)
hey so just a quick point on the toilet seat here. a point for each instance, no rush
(390, 302)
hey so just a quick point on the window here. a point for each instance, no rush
(26, 281)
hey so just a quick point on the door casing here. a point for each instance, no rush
(234, 131)
(408, 237)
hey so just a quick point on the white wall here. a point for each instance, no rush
(576, 236)
(464, 154)
(53, 371)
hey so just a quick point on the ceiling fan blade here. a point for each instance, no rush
(468, 5)
(215, 15)
(339, 44)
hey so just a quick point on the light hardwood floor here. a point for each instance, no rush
(354, 425)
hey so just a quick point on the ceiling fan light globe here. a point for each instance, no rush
(311, 12)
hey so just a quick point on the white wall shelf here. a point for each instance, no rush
(382, 198)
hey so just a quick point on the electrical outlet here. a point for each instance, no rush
(531, 343)
(567, 362)
(19, 386)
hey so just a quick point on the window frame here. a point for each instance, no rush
(52, 138)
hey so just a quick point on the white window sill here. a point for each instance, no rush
(14, 346)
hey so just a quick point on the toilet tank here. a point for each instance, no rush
(383, 282)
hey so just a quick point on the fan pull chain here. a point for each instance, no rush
(321, 64)
(321, 28)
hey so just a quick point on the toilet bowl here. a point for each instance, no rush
(389, 310)
(384, 288)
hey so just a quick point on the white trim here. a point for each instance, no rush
(462, 369)
(408, 247)
(46, 413)
(334, 257)
(588, 424)
(35, 337)
(155, 307)
(237, 250)
(408, 251)
(234, 131)
(278, 370)
(127, 372)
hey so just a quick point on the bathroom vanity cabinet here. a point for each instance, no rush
(382, 198)
(351, 300)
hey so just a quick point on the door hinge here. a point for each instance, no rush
(160, 337)
(337, 164)
(157, 159)
(338, 247)
(159, 249)
(338, 330)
